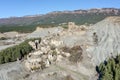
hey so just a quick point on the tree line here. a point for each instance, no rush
(109, 70)
(11, 54)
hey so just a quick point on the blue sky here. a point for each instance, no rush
(10, 8)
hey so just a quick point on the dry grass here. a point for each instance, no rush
(68, 78)
(76, 53)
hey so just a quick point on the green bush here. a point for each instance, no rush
(3, 38)
(109, 70)
(16, 52)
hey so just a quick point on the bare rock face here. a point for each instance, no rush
(108, 39)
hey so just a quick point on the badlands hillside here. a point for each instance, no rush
(108, 42)
(67, 54)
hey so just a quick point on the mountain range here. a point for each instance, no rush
(55, 18)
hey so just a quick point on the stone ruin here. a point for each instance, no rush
(46, 54)
(73, 27)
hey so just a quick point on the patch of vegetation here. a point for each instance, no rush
(35, 68)
(26, 76)
(26, 29)
(16, 52)
(65, 26)
(3, 38)
(22, 28)
(76, 53)
(109, 70)
(68, 78)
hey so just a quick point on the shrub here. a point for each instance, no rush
(3, 38)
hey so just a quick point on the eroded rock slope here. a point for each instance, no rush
(108, 39)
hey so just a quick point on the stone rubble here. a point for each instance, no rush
(46, 54)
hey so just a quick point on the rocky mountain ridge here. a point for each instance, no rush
(94, 10)
(33, 18)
